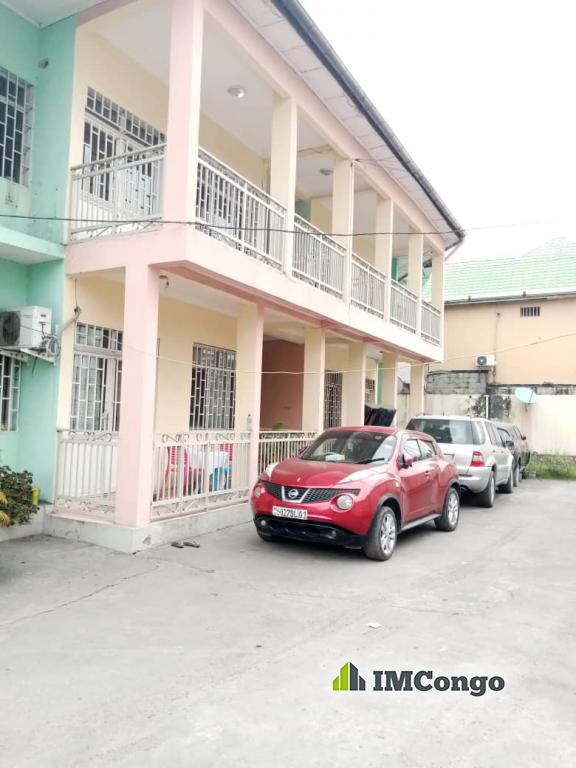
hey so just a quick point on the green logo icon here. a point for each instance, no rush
(348, 679)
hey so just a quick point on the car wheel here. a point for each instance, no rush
(517, 475)
(381, 540)
(487, 496)
(508, 486)
(451, 512)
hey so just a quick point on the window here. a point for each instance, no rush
(370, 390)
(332, 399)
(9, 393)
(495, 438)
(529, 311)
(352, 447)
(427, 449)
(123, 121)
(15, 127)
(446, 431)
(505, 436)
(412, 448)
(213, 397)
(97, 379)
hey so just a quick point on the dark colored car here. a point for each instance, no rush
(358, 487)
(518, 446)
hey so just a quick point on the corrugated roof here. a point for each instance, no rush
(549, 269)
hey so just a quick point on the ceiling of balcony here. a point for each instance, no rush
(44, 12)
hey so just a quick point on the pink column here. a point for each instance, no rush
(135, 459)
(186, 42)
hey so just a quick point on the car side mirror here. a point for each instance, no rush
(510, 444)
(523, 437)
(407, 460)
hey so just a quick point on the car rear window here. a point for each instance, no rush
(447, 431)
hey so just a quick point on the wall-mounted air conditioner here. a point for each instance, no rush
(25, 327)
(486, 361)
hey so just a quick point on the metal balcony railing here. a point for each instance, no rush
(368, 289)
(116, 194)
(318, 259)
(403, 307)
(431, 320)
(232, 209)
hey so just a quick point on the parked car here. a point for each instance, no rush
(483, 461)
(518, 446)
(359, 487)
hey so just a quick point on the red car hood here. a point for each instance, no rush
(313, 474)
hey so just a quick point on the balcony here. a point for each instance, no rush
(431, 323)
(403, 307)
(368, 290)
(318, 259)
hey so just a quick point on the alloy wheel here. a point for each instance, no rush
(388, 532)
(453, 508)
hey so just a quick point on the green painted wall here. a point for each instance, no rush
(22, 47)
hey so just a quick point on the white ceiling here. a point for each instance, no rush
(48, 11)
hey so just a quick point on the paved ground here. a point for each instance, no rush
(224, 655)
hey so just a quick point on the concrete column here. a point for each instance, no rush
(284, 156)
(343, 215)
(389, 371)
(416, 400)
(437, 295)
(354, 386)
(136, 438)
(314, 371)
(415, 257)
(180, 172)
(383, 246)
(249, 341)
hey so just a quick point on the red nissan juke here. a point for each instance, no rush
(359, 487)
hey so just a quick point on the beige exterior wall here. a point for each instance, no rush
(476, 329)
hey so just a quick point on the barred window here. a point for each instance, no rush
(118, 117)
(97, 379)
(332, 399)
(370, 391)
(9, 393)
(530, 311)
(16, 96)
(213, 397)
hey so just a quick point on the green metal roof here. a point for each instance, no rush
(549, 269)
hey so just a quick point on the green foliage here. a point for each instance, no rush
(16, 499)
(553, 467)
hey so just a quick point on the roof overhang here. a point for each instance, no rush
(45, 12)
(523, 296)
(286, 26)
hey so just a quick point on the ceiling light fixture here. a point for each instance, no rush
(326, 171)
(237, 91)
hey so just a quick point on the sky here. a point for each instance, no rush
(483, 97)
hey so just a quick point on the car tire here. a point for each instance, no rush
(508, 486)
(448, 521)
(517, 475)
(487, 497)
(382, 536)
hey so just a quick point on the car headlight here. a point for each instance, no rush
(270, 468)
(345, 502)
(258, 491)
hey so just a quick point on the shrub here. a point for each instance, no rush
(16, 500)
(553, 467)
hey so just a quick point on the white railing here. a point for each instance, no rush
(317, 258)
(403, 307)
(116, 194)
(368, 289)
(232, 209)
(277, 445)
(430, 329)
(87, 466)
(194, 471)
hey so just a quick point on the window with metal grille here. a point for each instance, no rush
(370, 389)
(530, 311)
(97, 379)
(213, 397)
(9, 393)
(123, 121)
(332, 399)
(16, 96)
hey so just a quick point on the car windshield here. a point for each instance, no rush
(351, 447)
(447, 431)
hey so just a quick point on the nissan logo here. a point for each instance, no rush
(293, 493)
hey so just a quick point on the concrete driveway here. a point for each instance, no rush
(224, 655)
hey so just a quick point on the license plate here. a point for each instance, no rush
(294, 514)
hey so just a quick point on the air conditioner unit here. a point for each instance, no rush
(486, 361)
(25, 327)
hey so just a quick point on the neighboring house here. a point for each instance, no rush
(509, 323)
(214, 147)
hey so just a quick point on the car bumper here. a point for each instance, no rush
(307, 530)
(476, 481)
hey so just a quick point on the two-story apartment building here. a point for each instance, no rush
(245, 251)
